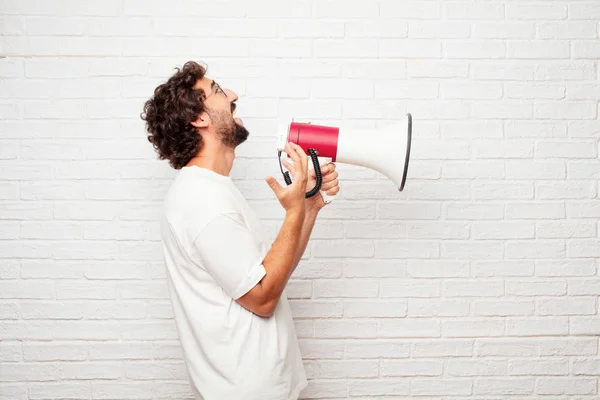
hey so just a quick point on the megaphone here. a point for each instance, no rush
(386, 151)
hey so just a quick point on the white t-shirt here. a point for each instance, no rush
(213, 247)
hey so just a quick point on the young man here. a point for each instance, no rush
(227, 285)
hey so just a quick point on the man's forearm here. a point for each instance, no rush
(307, 227)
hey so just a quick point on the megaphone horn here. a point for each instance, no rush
(386, 151)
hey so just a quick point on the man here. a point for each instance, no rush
(227, 285)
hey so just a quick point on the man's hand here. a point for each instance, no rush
(330, 184)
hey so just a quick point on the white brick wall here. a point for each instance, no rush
(479, 281)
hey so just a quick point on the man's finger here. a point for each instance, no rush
(289, 166)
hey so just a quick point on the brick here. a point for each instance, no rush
(571, 386)
(538, 367)
(411, 368)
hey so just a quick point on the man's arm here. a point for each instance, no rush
(307, 227)
(279, 265)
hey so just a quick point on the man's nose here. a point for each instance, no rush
(231, 95)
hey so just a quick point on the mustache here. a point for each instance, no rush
(233, 107)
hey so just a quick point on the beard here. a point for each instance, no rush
(230, 133)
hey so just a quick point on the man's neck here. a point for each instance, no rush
(216, 158)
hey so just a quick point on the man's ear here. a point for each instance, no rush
(202, 121)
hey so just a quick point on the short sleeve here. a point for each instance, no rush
(227, 250)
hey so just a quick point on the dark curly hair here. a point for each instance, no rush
(169, 113)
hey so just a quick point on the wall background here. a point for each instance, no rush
(479, 281)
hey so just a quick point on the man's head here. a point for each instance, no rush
(188, 110)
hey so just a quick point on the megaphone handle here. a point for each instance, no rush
(326, 198)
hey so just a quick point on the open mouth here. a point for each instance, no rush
(233, 108)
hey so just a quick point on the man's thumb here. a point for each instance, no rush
(272, 182)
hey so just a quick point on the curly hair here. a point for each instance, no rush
(169, 113)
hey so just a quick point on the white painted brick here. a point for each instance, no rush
(583, 248)
(299, 289)
(542, 248)
(431, 386)
(535, 11)
(540, 287)
(503, 230)
(367, 268)
(470, 90)
(476, 367)
(585, 325)
(438, 29)
(535, 169)
(467, 288)
(565, 71)
(566, 229)
(346, 328)
(570, 110)
(345, 369)
(411, 368)
(476, 11)
(475, 49)
(546, 326)
(459, 327)
(345, 288)
(535, 210)
(465, 249)
(584, 287)
(401, 288)
(473, 211)
(504, 109)
(384, 348)
(503, 386)
(583, 170)
(537, 129)
(376, 28)
(397, 386)
(408, 328)
(584, 11)
(535, 91)
(442, 348)
(504, 30)
(572, 306)
(469, 129)
(538, 367)
(589, 366)
(411, 9)
(62, 390)
(374, 230)
(437, 308)
(558, 268)
(509, 347)
(20, 289)
(10, 352)
(503, 308)
(537, 49)
(568, 385)
(584, 129)
(412, 48)
(502, 268)
(437, 69)
(422, 249)
(568, 347)
(567, 30)
(9, 311)
(375, 309)
(566, 190)
(326, 388)
(437, 269)
(121, 390)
